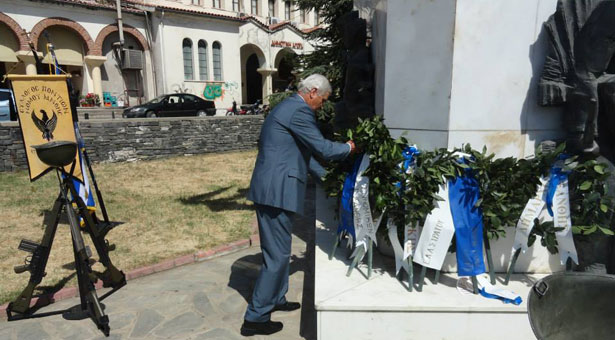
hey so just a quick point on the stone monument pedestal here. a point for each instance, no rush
(381, 308)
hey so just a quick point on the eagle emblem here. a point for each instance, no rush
(45, 124)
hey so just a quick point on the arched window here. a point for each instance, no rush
(217, 55)
(187, 51)
(203, 74)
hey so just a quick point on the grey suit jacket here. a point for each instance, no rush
(289, 136)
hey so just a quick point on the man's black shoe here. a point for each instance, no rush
(250, 328)
(287, 307)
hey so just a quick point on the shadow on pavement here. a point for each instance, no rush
(245, 270)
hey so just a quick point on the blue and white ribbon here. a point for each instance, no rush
(552, 197)
(365, 228)
(558, 204)
(464, 192)
(486, 289)
(411, 232)
(535, 208)
(346, 225)
(83, 188)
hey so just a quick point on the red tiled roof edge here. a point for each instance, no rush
(90, 4)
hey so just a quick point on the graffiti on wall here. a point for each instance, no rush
(216, 91)
(213, 91)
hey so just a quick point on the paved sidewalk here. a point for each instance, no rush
(205, 300)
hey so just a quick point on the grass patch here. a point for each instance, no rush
(169, 207)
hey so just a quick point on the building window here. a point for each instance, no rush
(302, 12)
(254, 7)
(235, 5)
(217, 58)
(203, 60)
(187, 50)
(286, 10)
(271, 8)
(316, 18)
(216, 3)
(195, 2)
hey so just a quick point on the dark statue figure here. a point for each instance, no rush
(358, 95)
(579, 73)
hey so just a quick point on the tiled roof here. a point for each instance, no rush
(92, 4)
(187, 9)
(128, 6)
(311, 29)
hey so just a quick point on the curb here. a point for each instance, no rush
(199, 256)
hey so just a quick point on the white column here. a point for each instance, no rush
(28, 58)
(93, 63)
(267, 82)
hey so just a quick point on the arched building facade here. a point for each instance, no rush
(224, 54)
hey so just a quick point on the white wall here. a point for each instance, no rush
(498, 58)
(464, 71)
(419, 52)
(180, 26)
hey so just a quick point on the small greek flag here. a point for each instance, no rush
(83, 188)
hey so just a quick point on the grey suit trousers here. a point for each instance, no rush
(275, 231)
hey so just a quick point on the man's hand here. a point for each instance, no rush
(353, 147)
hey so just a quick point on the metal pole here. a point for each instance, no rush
(370, 250)
(489, 258)
(355, 261)
(511, 267)
(337, 242)
(120, 27)
(421, 279)
(410, 274)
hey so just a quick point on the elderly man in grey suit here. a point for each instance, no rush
(289, 137)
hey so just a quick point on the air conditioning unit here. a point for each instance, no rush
(294, 23)
(274, 20)
(132, 60)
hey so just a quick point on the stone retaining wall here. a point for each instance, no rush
(131, 139)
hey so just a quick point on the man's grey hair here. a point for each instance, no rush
(315, 81)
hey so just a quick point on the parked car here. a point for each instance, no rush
(8, 110)
(172, 105)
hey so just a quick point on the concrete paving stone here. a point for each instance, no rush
(112, 336)
(32, 331)
(7, 333)
(147, 320)
(69, 329)
(188, 322)
(121, 320)
(203, 305)
(219, 334)
(233, 305)
(217, 295)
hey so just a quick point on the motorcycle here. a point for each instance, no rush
(232, 111)
(255, 109)
(252, 109)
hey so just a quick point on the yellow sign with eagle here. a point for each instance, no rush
(44, 112)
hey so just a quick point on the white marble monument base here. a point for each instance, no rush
(381, 307)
